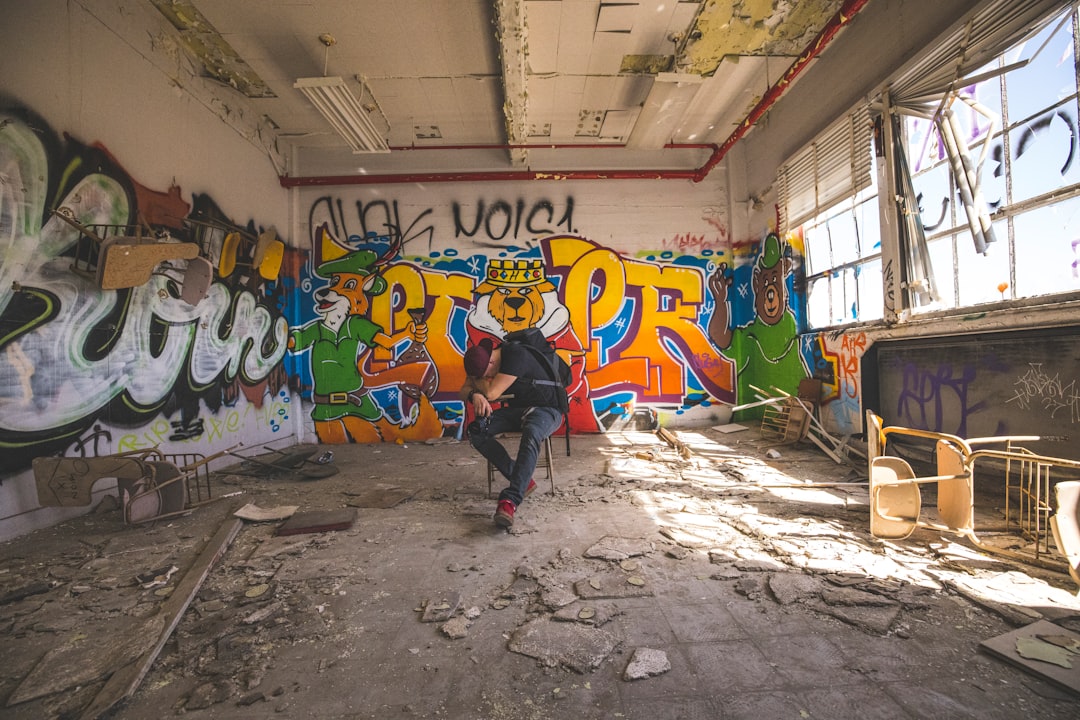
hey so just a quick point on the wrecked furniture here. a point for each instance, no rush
(1065, 524)
(126, 256)
(151, 484)
(295, 461)
(895, 495)
(896, 501)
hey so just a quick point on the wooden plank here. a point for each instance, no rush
(126, 680)
(125, 264)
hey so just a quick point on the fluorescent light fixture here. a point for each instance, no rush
(333, 98)
(663, 110)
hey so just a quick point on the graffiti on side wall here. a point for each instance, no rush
(1036, 388)
(76, 360)
(765, 350)
(836, 360)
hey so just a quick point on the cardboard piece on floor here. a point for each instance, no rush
(1004, 647)
(729, 428)
(254, 513)
(313, 521)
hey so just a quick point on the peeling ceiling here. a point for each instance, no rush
(449, 73)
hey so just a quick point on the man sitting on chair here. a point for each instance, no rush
(531, 409)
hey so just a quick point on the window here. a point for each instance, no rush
(1022, 118)
(828, 190)
(994, 179)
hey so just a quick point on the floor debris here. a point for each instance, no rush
(646, 662)
(316, 521)
(1026, 648)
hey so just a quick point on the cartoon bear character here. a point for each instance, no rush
(765, 351)
(516, 294)
(340, 341)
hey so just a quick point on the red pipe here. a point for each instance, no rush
(548, 146)
(504, 175)
(847, 11)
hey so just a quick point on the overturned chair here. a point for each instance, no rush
(896, 498)
(152, 485)
(895, 495)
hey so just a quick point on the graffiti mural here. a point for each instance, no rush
(766, 349)
(836, 360)
(631, 328)
(345, 371)
(139, 365)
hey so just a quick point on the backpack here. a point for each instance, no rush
(559, 374)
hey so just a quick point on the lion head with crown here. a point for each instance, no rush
(516, 294)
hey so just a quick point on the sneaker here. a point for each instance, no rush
(530, 488)
(504, 514)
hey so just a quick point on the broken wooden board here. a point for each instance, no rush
(313, 521)
(126, 680)
(125, 262)
(1009, 646)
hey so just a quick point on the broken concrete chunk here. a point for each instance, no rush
(441, 609)
(790, 588)
(759, 565)
(610, 547)
(612, 585)
(853, 596)
(646, 662)
(726, 572)
(871, 620)
(588, 613)
(678, 552)
(571, 645)
(556, 597)
(455, 628)
(751, 586)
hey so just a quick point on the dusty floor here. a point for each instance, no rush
(650, 585)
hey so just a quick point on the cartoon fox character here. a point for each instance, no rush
(340, 341)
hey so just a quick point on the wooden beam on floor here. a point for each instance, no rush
(125, 681)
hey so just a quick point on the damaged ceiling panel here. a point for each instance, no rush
(496, 73)
(753, 27)
(209, 48)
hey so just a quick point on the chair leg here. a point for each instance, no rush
(550, 464)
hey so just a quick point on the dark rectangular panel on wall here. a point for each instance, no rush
(1023, 383)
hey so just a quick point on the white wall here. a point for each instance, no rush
(63, 63)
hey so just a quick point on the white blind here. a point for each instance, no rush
(833, 167)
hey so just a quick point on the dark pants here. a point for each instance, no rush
(534, 423)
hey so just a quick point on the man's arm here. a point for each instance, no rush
(481, 391)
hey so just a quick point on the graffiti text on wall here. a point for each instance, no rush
(1038, 389)
(492, 223)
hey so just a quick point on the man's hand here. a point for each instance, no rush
(480, 404)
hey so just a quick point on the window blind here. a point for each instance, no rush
(833, 167)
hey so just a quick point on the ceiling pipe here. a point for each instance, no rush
(847, 11)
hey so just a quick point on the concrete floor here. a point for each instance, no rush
(758, 601)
